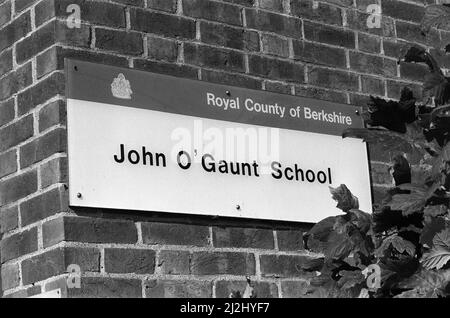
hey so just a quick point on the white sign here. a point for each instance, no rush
(139, 158)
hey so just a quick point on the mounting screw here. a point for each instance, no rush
(238, 207)
(228, 93)
(357, 112)
(79, 195)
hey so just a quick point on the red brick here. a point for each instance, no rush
(5, 62)
(41, 92)
(53, 59)
(174, 262)
(369, 43)
(243, 238)
(21, 5)
(54, 171)
(409, 32)
(44, 11)
(52, 114)
(164, 5)
(290, 240)
(395, 49)
(37, 150)
(19, 244)
(55, 262)
(166, 68)
(231, 79)
(273, 5)
(277, 87)
(15, 133)
(44, 205)
(79, 37)
(107, 287)
(272, 22)
(319, 54)
(162, 24)
(88, 230)
(138, 261)
(357, 20)
(324, 13)
(413, 71)
(9, 219)
(15, 30)
(18, 187)
(319, 93)
(162, 49)
(175, 234)
(276, 69)
(294, 289)
(202, 55)
(222, 263)
(247, 3)
(282, 265)
(178, 289)
(210, 10)
(10, 276)
(394, 89)
(359, 99)
(8, 163)
(136, 3)
(329, 35)
(15, 81)
(232, 37)
(94, 12)
(7, 111)
(36, 42)
(333, 78)
(119, 41)
(402, 10)
(275, 45)
(224, 289)
(5, 12)
(373, 64)
(372, 85)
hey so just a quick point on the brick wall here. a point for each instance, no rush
(320, 49)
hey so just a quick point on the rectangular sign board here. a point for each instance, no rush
(152, 142)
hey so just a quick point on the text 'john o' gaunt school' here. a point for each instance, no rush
(209, 164)
(275, 109)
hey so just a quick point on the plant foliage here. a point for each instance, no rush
(402, 249)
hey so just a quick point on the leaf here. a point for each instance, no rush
(426, 284)
(350, 279)
(401, 170)
(317, 238)
(435, 83)
(432, 226)
(438, 86)
(435, 210)
(398, 243)
(435, 16)
(345, 199)
(409, 203)
(312, 264)
(420, 55)
(386, 219)
(439, 255)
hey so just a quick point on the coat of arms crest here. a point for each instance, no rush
(121, 87)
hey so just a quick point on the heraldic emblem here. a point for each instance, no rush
(121, 87)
